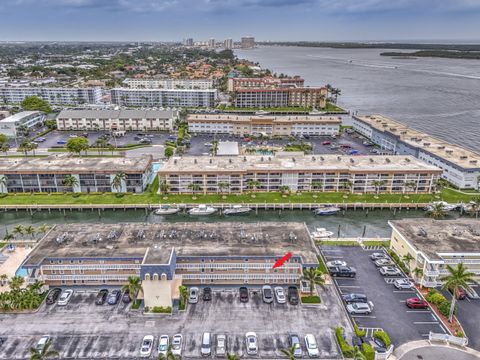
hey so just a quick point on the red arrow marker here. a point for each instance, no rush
(282, 260)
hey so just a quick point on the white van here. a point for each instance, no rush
(206, 349)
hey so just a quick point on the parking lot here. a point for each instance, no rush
(84, 330)
(390, 312)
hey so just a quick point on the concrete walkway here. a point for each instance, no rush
(423, 349)
(14, 260)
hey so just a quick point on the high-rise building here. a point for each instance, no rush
(211, 43)
(188, 42)
(228, 44)
(248, 42)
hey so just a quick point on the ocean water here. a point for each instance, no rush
(438, 96)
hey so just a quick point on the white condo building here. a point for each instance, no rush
(196, 84)
(54, 96)
(11, 124)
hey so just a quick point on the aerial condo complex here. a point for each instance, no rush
(172, 187)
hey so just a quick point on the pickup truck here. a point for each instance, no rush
(342, 271)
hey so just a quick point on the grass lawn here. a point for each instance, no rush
(328, 108)
(2, 244)
(150, 196)
(310, 299)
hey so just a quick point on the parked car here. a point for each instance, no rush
(360, 308)
(61, 142)
(207, 294)
(377, 255)
(243, 294)
(193, 298)
(114, 297)
(311, 345)
(280, 295)
(101, 297)
(377, 344)
(326, 142)
(460, 293)
(72, 136)
(126, 297)
(294, 341)
(206, 348)
(177, 342)
(355, 298)
(221, 346)
(163, 345)
(403, 284)
(53, 296)
(416, 303)
(251, 343)
(267, 294)
(390, 271)
(334, 263)
(42, 342)
(293, 297)
(40, 139)
(65, 297)
(342, 271)
(383, 262)
(147, 345)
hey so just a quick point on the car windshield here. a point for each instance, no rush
(312, 345)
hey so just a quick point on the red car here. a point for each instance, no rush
(326, 143)
(416, 303)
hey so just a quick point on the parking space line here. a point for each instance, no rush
(364, 316)
(405, 291)
(425, 322)
(419, 311)
(349, 286)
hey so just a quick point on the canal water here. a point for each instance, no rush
(351, 223)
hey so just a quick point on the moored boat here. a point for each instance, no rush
(321, 233)
(202, 209)
(166, 210)
(326, 210)
(237, 210)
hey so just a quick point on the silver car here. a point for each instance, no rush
(221, 348)
(193, 298)
(251, 343)
(383, 262)
(280, 295)
(360, 308)
(403, 284)
(267, 294)
(390, 271)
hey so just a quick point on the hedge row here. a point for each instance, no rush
(368, 351)
(435, 297)
(383, 336)
(311, 299)
(347, 350)
(398, 261)
(159, 309)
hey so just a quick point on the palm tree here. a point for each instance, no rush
(412, 185)
(194, 187)
(3, 182)
(347, 184)
(118, 180)
(164, 187)
(458, 277)
(284, 189)
(4, 148)
(418, 273)
(18, 229)
(407, 259)
(16, 283)
(43, 354)
(8, 236)
(232, 357)
(438, 211)
(30, 230)
(70, 181)
(316, 185)
(133, 286)
(42, 229)
(223, 185)
(357, 354)
(378, 184)
(440, 184)
(253, 184)
(3, 279)
(214, 147)
(474, 206)
(289, 352)
(314, 277)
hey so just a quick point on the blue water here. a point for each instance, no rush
(21, 272)
(156, 166)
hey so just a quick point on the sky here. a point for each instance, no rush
(275, 20)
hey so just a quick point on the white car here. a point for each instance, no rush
(390, 271)
(251, 342)
(377, 255)
(177, 342)
(280, 295)
(360, 308)
(163, 345)
(147, 345)
(311, 345)
(65, 297)
(193, 298)
(221, 348)
(334, 263)
(403, 284)
(42, 342)
(267, 294)
(383, 262)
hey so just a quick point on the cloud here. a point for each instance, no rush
(324, 6)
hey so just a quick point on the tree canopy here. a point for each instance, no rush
(34, 103)
(77, 145)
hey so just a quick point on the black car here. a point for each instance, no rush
(243, 294)
(357, 341)
(101, 297)
(53, 296)
(207, 294)
(293, 297)
(342, 271)
(126, 297)
(355, 298)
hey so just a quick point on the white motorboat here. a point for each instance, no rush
(321, 233)
(446, 206)
(202, 209)
(166, 210)
(326, 210)
(237, 210)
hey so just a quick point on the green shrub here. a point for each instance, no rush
(382, 335)
(444, 308)
(435, 297)
(146, 309)
(162, 310)
(136, 304)
(347, 350)
(368, 351)
(321, 265)
(310, 299)
(358, 332)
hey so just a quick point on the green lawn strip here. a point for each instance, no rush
(128, 147)
(314, 299)
(337, 243)
(151, 197)
(321, 265)
(23, 156)
(385, 244)
(328, 108)
(2, 244)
